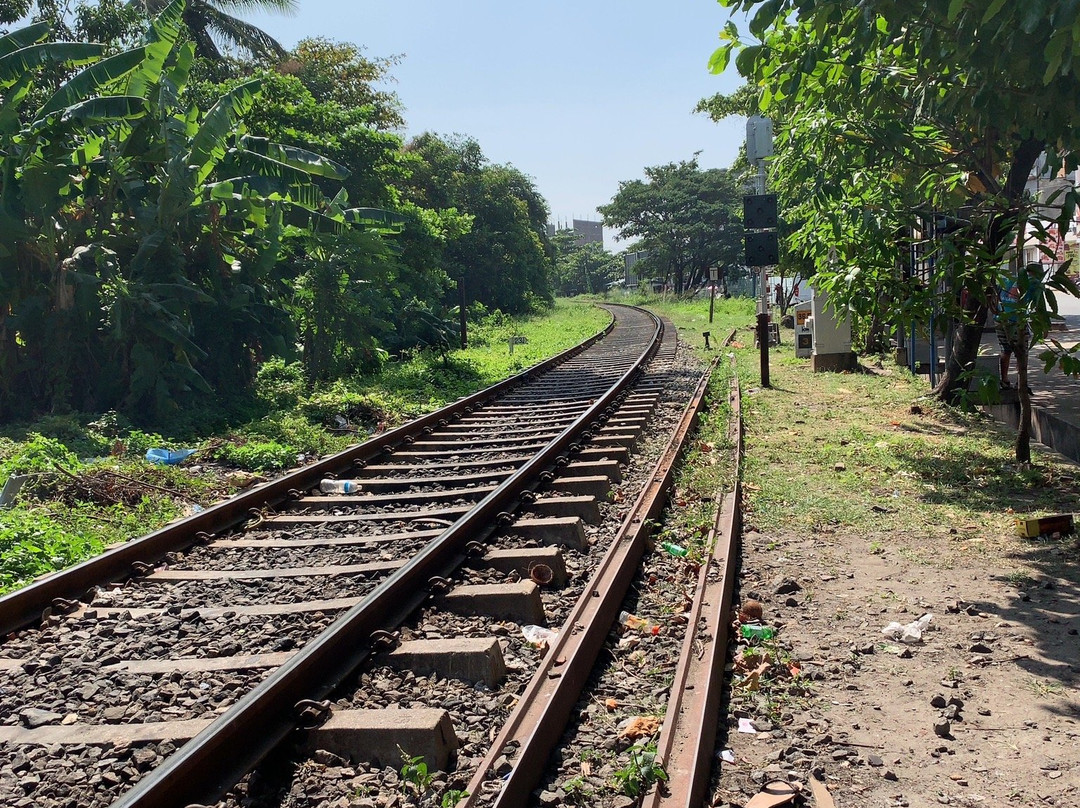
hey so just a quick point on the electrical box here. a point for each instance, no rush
(832, 329)
(760, 211)
(804, 331)
(759, 138)
(762, 248)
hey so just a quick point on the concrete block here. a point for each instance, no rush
(522, 560)
(615, 438)
(476, 659)
(565, 530)
(616, 453)
(519, 601)
(585, 508)
(374, 736)
(832, 363)
(591, 486)
(608, 468)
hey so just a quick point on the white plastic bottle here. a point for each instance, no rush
(339, 486)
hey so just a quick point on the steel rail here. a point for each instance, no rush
(26, 606)
(213, 761)
(539, 720)
(688, 734)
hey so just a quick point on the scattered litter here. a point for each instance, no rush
(674, 549)
(757, 632)
(611, 704)
(727, 756)
(538, 635)
(632, 621)
(747, 726)
(911, 633)
(640, 726)
(778, 792)
(167, 457)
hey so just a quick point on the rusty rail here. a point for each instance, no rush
(212, 762)
(545, 706)
(688, 735)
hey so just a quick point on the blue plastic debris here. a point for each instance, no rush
(167, 457)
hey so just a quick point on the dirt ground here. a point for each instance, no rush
(996, 673)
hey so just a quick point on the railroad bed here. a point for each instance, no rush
(337, 633)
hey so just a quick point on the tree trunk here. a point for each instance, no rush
(953, 384)
(1023, 433)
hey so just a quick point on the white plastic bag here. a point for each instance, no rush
(538, 635)
(911, 633)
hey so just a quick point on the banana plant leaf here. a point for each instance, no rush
(90, 80)
(13, 98)
(295, 157)
(159, 42)
(261, 165)
(9, 43)
(208, 147)
(16, 64)
(106, 108)
(382, 221)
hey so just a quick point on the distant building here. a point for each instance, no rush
(589, 232)
(630, 259)
(585, 231)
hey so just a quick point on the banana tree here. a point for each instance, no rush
(140, 235)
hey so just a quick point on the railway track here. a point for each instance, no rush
(163, 672)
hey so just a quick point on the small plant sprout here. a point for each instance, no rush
(415, 773)
(643, 770)
(453, 797)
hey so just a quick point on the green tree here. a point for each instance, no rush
(140, 237)
(582, 268)
(339, 72)
(897, 111)
(505, 259)
(688, 219)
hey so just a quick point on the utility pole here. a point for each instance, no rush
(760, 222)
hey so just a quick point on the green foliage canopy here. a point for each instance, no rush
(688, 219)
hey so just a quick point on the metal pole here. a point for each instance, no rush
(763, 302)
(763, 328)
(712, 300)
(461, 314)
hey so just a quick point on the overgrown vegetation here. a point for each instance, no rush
(88, 484)
(172, 219)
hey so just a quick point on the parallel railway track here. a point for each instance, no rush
(193, 653)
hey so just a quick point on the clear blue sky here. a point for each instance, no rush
(578, 95)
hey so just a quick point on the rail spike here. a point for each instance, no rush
(438, 585)
(311, 713)
(385, 639)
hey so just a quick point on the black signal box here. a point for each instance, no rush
(759, 211)
(762, 249)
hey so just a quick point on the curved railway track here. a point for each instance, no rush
(162, 672)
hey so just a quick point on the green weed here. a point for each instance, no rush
(640, 773)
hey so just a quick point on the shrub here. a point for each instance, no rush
(364, 408)
(33, 543)
(257, 455)
(280, 384)
(37, 455)
(294, 431)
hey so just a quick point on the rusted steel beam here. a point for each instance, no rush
(688, 735)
